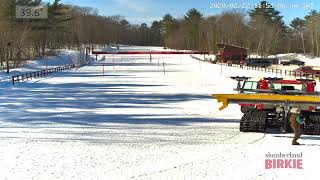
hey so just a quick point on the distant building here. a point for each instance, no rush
(232, 54)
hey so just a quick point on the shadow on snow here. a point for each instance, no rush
(92, 104)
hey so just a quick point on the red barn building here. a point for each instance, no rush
(232, 54)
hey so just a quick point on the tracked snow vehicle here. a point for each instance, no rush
(266, 103)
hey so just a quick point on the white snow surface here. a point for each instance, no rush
(137, 121)
(65, 57)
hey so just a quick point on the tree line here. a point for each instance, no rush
(261, 29)
(67, 26)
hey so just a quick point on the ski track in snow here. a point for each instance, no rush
(136, 122)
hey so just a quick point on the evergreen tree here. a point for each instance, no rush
(124, 23)
(156, 33)
(298, 25)
(268, 28)
(269, 14)
(193, 19)
(193, 15)
(167, 23)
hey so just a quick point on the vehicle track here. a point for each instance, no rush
(191, 163)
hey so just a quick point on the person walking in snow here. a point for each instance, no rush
(296, 121)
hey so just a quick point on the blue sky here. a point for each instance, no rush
(139, 11)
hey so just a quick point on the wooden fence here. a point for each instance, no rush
(46, 72)
(289, 73)
(39, 74)
(258, 68)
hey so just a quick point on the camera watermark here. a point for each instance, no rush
(31, 12)
(284, 160)
(250, 5)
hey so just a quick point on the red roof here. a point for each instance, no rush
(231, 46)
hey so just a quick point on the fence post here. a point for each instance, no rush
(164, 68)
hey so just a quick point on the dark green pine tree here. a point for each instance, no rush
(167, 22)
(270, 14)
(57, 15)
(192, 19)
(298, 26)
(268, 27)
(193, 15)
(53, 26)
(157, 38)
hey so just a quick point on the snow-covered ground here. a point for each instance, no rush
(64, 58)
(141, 120)
(310, 61)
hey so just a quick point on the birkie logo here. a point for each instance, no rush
(283, 160)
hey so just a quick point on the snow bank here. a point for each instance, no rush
(309, 61)
(64, 58)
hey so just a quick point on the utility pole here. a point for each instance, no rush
(103, 69)
(8, 57)
(86, 54)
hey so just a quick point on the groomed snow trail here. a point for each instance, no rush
(135, 122)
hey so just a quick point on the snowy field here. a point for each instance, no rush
(63, 58)
(140, 120)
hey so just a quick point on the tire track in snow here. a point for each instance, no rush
(259, 139)
(191, 163)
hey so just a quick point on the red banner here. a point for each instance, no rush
(151, 52)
